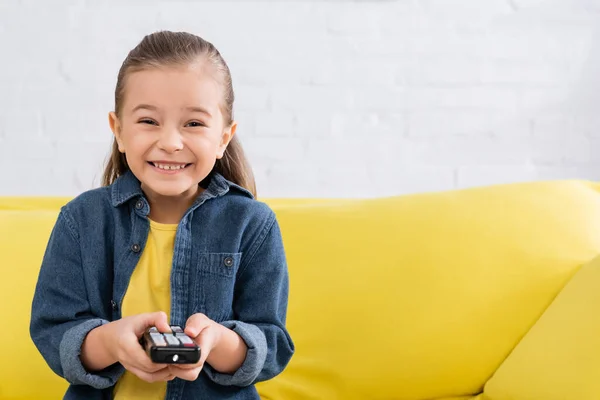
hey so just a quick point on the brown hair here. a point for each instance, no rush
(180, 48)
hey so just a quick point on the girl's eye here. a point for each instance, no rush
(147, 121)
(195, 124)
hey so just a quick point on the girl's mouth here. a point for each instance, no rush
(169, 167)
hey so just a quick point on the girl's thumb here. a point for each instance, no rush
(157, 319)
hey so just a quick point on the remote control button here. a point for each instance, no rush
(175, 357)
(171, 340)
(158, 339)
(185, 340)
(176, 329)
(153, 329)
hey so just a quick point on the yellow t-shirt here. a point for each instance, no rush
(149, 290)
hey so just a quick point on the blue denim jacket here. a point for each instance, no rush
(94, 247)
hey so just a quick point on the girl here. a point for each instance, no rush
(174, 237)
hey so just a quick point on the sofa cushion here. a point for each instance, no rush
(424, 296)
(559, 358)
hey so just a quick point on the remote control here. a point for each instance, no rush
(174, 347)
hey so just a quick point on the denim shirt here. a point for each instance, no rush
(228, 263)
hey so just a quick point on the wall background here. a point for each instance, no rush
(335, 98)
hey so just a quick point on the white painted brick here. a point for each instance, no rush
(313, 98)
(553, 126)
(30, 163)
(374, 47)
(586, 172)
(369, 125)
(250, 98)
(289, 179)
(466, 8)
(422, 16)
(358, 73)
(89, 160)
(465, 151)
(463, 98)
(445, 124)
(298, 45)
(275, 148)
(535, 73)
(90, 124)
(447, 70)
(246, 123)
(531, 37)
(472, 176)
(351, 180)
(510, 124)
(362, 18)
(385, 98)
(313, 124)
(400, 179)
(37, 149)
(536, 101)
(275, 124)
(368, 150)
(446, 43)
(567, 149)
(595, 152)
(253, 19)
(587, 124)
(343, 151)
(12, 126)
(275, 72)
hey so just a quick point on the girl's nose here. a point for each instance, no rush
(170, 140)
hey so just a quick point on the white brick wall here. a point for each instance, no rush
(335, 98)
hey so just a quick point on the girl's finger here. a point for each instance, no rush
(186, 374)
(159, 376)
(145, 321)
(187, 366)
(137, 357)
(196, 324)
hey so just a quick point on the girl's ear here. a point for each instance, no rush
(228, 134)
(115, 127)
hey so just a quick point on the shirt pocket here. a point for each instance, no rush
(215, 283)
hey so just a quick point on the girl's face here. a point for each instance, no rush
(171, 128)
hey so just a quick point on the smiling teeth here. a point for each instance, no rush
(169, 167)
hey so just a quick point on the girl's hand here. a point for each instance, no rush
(207, 334)
(122, 341)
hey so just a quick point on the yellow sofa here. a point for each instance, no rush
(485, 293)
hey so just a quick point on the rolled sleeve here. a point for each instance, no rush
(73, 369)
(255, 356)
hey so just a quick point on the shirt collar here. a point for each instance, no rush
(127, 187)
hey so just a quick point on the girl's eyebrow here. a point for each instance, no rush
(154, 108)
(144, 107)
(199, 110)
